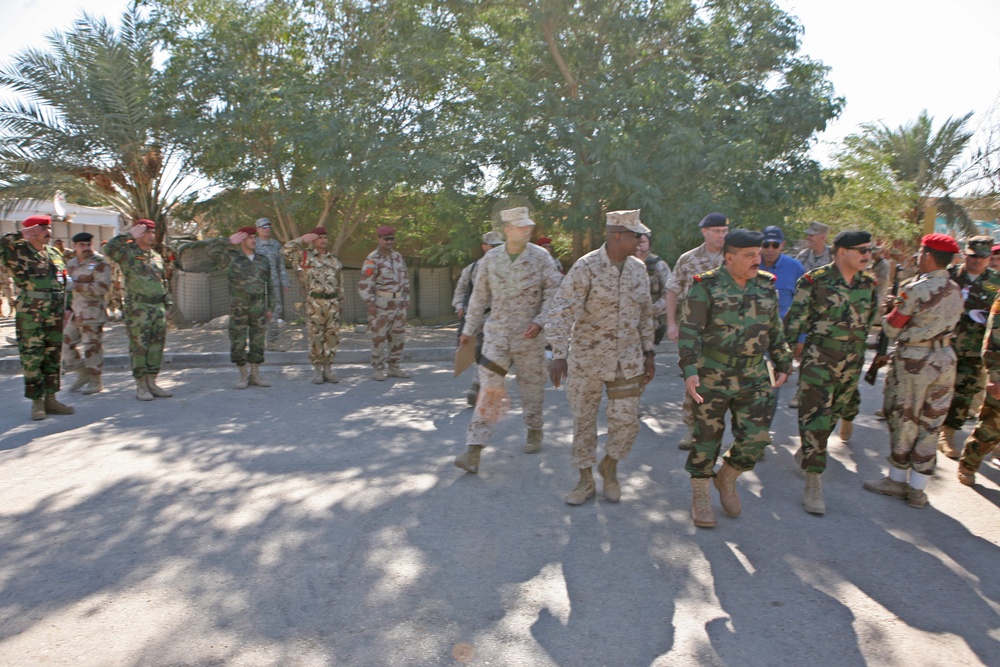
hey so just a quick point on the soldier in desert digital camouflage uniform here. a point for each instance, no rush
(921, 379)
(834, 307)
(385, 289)
(659, 277)
(460, 302)
(7, 294)
(322, 272)
(40, 274)
(730, 321)
(600, 326)
(83, 345)
(271, 248)
(516, 281)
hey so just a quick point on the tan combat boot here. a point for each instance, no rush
(916, 498)
(701, 503)
(725, 482)
(142, 390)
(585, 488)
(608, 467)
(378, 375)
(38, 408)
(95, 386)
(534, 443)
(255, 378)
(966, 476)
(329, 375)
(397, 372)
(155, 389)
(244, 380)
(317, 377)
(887, 487)
(945, 440)
(473, 394)
(54, 407)
(812, 501)
(469, 459)
(846, 429)
(82, 378)
(687, 442)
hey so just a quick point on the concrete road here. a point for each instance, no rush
(326, 525)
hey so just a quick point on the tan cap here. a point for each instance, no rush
(817, 228)
(517, 217)
(493, 238)
(627, 219)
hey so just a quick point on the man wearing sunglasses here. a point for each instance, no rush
(832, 311)
(385, 289)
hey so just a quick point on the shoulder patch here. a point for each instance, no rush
(767, 275)
(697, 278)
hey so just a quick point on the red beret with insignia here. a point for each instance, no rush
(543, 240)
(249, 231)
(941, 242)
(36, 220)
(385, 230)
(148, 224)
(319, 231)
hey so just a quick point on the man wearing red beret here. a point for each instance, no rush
(40, 273)
(385, 289)
(921, 379)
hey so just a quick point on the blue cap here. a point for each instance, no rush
(774, 233)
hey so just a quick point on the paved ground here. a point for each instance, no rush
(326, 525)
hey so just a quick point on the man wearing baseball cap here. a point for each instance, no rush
(460, 302)
(385, 289)
(271, 248)
(921, 378)
(83, 344)
(39, 272)
(817, 252)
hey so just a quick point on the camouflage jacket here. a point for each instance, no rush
(688, 265)
(144, 272)
(979, 294)
(463, 288)
(659, 277)
(321, 272)
(826, 307)
(383, 273)
(719, 317)
(271, 249)
(601, 317)
(927, 308)
(991, 342)
(516, 293)
(249, 279)
(34, 270)
(811, 260)
(87, 298)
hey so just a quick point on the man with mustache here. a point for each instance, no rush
(90, 277)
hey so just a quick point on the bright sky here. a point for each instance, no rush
(890, 58)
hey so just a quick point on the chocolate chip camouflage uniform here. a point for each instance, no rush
(250, 296)
(986, 435)
(146, 301)
(921, 378)
(516, 293)
(384, 284)
(601, 322)
(324, 298)
(835, 318)
(271, 249)
(659, 277)
(968, 341)
(41, 304)
(724, 333)
(82, 338)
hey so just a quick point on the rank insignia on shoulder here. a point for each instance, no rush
(995, 308)
(991, 288)
(697, 278)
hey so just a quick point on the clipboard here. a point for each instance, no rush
(465, 356)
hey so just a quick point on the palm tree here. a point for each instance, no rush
(89, 119)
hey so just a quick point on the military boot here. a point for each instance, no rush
(244, 380)
(701, 503)
(54, 407)
(687, 442)
(812, 501)
(95, 385)
(255, 378)
(534, 442)
(585, 488)
(155, 389)
(329, 375)
(887, 487)
(378, 375)
(846, 429)
(473, 394)
(82, 378)
(725, 482)
(38, 408)
(944, 443)
(916, 498)
(317, 374)
(608, 467)
(397, 372)
(966, 476)
(469, 459)
(142, 390)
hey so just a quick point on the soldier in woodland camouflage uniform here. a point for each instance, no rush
(659, 277)
(271, 249)
(460, 302)
(146, 301)
(705, 257)
(250, 292)
(834, 307)
(83, 350)
(324, 299)
(385, 289)
(986, 435)
(729, 322)
(600, 326)
(516, 281)
(40, 273)
(979, 284)
(921, 379)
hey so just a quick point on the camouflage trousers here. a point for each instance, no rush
(622, 413)
(984, 438)
(83, 345)
(323, 328)
(828, 391)
(146, 324)
(969, 381)
(39, 329)
(277, 313)
(918, 390)
(388, 329)
(247, 324)
(750, 400)
(500, 353)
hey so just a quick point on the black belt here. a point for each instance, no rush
(142, 298)
(43, 294)
(323, 295)
(732, 360)
(836, 345)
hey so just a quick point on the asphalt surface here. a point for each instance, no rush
(326, 525)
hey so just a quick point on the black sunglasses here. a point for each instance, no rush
(771, 244)
(389, 238)
(863, 250)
